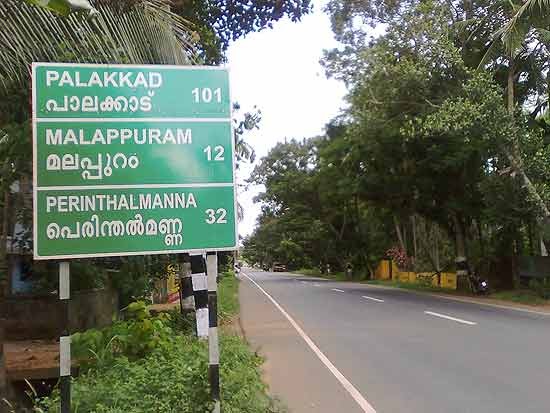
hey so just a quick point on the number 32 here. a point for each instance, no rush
(216, 216)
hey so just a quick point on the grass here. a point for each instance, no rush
(520, 296)
(413, 286)
(523, 296)
(308, 271)
(337, 276)
(228, 296)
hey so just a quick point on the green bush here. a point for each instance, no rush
(540, 287)
(172, 379)
(309, 271)
(134, 337)
(145, 364)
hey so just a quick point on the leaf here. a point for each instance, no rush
(145, 32)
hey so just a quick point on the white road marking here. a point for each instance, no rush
(378, 300)
(303, 282)
(337, 290)
(350, 388)
(316, 285)
(447, 317)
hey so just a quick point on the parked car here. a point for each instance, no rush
(278, 267)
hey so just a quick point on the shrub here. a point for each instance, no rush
(172, 379)
(146, 364)
(134, 337)
(540, 287)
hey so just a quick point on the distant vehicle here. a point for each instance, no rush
(278, 267)
(478, 285)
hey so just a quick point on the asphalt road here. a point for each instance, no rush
(347, 348)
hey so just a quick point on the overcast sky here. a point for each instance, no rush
(278, 70)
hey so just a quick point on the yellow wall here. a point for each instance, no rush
(382, 272)
(448, 280)
(172, 282)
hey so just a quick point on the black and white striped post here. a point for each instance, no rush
(200, 292)
(65, 338)
(187, 301)
(213, 344)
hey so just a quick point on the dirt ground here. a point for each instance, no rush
(36, 359)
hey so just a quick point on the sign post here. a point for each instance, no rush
(65, 339)
(131, 160)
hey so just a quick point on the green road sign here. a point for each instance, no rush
(131, 160)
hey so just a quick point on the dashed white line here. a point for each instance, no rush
(378, 300)
(447, 317)
(337, 290)
(350, 388)
(303, 282)
(316, 285)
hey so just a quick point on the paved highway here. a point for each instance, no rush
(347, 348)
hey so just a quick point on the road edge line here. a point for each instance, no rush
(348, 386)
(442, 296)
(465, 300)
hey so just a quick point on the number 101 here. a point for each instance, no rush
(205, 95)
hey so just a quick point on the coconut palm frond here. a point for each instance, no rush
(526, 16)
(143, 32)
(492, 51)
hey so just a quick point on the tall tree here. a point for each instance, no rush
(219, 22)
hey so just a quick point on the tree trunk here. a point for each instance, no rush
(425, 245)
(399, 234)
(510, 86)
(462, 267)
(543, 250)
(4, 268)
(435, 231)
(415, 246)
(514, 156)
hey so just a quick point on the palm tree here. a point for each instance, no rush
(121, 31)
(526, 17)
(531, 14)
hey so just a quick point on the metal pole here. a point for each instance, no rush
(65, 338)
(200, 292)
(213, 344)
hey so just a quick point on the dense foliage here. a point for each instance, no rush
(442, 151)
(154, 364)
